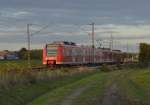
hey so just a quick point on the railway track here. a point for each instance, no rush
(46, 68)
(39, 68)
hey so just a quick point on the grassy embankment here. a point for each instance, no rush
(133, 85)
(23, 87)
(20, 86)
(24, 93)
(57, 95)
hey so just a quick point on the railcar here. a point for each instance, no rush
(68, 53)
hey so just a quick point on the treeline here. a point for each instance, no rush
(144, 55)
(35, 54)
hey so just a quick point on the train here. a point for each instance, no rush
(69, 53)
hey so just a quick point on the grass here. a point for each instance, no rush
(93, 93)
(19, 85)
(56, 96)
(23, 87)
(21, 94)
(16, 72)
(136, 85)
(18, 64)
(133, 84)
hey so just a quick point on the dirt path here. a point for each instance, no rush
(112, 96)
(69, 99)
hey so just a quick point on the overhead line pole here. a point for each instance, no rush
(93, 33)
(111, 41)
(29, 35)
(93, 43)
(28, 40)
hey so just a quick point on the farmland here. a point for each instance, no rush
(76, 87)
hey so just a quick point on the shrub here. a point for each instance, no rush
(65, 70)
(119, 67)
(105, 68)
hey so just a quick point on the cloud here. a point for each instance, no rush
(125, 30)
(120, 32)
(13, 13)
(69, 19)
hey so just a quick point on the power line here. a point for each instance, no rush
(99, 42)
(39, 30)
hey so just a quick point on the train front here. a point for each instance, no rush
(52, 54)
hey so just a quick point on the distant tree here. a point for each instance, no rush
(148, 53)
(144, 55)
(35, 54)
(6, 51)
(23, 53)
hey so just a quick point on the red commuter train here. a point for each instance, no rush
(68, 53)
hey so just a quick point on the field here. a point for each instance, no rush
(18, 64)
(77, 87)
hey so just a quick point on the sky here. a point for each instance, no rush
(127, 20)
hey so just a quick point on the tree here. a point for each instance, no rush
(144, 55)
(23, 53)
(35, 54)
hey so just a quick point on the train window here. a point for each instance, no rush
(74, 52)
(51, 51)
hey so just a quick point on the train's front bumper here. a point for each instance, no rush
(51, 60)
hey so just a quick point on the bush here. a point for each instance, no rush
(65, 70)
(119, 67)
(105, 68)
(142, 65)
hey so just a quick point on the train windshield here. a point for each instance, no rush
(51, 51)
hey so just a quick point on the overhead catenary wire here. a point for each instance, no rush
(43, 28)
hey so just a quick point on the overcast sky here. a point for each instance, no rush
(128, 20)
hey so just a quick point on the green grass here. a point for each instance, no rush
(57, 95)
(133, 84)
(136, 85)
(18, 64)
(51, 87)
(21, 94)
(16, 72)
(18, 85)
(93, 93)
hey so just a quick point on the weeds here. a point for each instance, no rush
(105, 68)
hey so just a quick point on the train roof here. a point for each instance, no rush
(63, 43)
(108, 49)
(66, 43)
